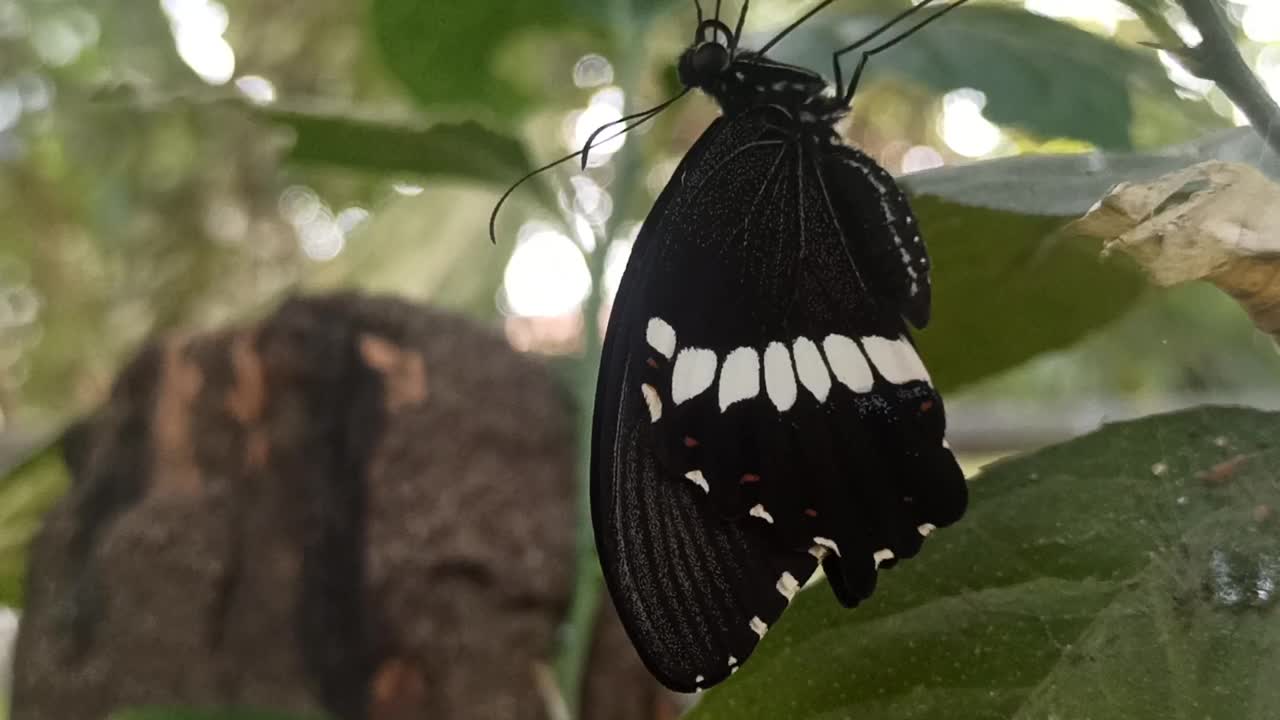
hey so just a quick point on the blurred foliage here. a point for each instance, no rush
(134, 200)
(1130, 573)
(137, 198)
(1045, 77)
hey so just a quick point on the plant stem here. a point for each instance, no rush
(584, 607)
(1218, 59)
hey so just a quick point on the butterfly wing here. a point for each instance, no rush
(760, 409)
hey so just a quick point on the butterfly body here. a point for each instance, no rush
(761, 409)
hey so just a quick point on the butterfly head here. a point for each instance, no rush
(708, 58)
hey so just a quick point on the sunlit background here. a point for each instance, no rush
(137, 194)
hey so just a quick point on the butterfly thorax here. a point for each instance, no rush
(751, 80)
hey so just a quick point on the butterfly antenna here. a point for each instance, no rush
(737, 33)
(493, 216)
(644, 116)
(822, 5)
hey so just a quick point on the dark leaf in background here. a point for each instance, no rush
(446, 51)
(1131, 573)
(466, 151)
(1046, 77)
(630, 11)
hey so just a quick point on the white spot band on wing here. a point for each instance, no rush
(739, 377)
(758, 626)
(896, 360)
(787, 585)
(847, 363)
(811, 369)
(779, 377)
(694, 372)
(827, 543)
(653, 401)
(880, 556)
(758, 510)
(698, 479)
(661, 337)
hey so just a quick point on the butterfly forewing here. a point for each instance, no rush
(760, 404)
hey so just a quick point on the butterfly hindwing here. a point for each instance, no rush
(760, 405)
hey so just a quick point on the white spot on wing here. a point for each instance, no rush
(882, 555)
(946, 444)
(694, 372)
(732, 661)
(787, 585)
(758, 626)
(779, 378)
(699, 679)
(653, 401)
(847, 362)
(661, 337)
(811, 369)
(740, 377)
(827, 543)
(758, 510)
(699, 480)
(926, 529)
(896, 360)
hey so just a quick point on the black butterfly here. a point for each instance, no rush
(761, 408)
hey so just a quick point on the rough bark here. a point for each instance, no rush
(356, 506)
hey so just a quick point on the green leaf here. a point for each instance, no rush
(1007, 284)
(1068, 185)
(1049, 78)
(464, 150)
(159, 713)
(1131, 573)
(447, 52)
(27, 491)
(1004, 291)
(629, 11)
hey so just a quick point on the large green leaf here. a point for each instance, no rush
(1005, 292)
(1128, 574)
(1008, 284)
(447, 52)
(27, 491)
(1049, 78)
(1068, 185)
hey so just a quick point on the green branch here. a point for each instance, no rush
(1218, 59)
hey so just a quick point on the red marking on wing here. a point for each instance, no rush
(750, 478)
(690, 441)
